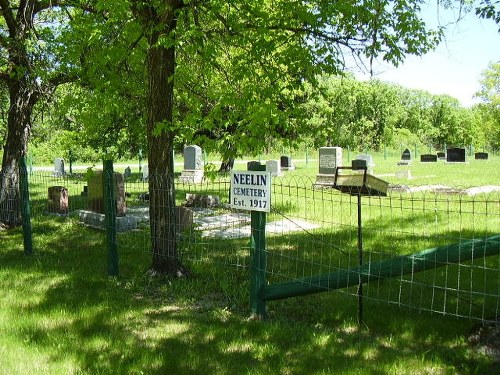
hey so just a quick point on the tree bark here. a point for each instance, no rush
(161, 67)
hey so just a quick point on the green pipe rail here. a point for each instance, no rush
(398, 266)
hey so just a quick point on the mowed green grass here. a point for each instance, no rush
(61, 314)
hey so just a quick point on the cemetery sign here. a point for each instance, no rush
(251, 190)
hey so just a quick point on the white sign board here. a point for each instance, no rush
(251, 190)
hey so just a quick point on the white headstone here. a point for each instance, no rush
(273, 166)
(145, 172)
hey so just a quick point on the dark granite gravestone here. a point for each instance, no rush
(428, 158)
(481, 156)
(405, 158)
(286, 163)
(406, 155)
(441, 155)
(455, 155)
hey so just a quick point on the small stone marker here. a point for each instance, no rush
(273, 167)
(59, 167)
(96, 193)
(441, 155)
(403, 173)
(58, 199)
(127, 173)
(193, 165)
(428, 158)
(481, 156)
(286, 163)
(455, 155)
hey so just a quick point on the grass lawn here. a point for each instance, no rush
(61, 314)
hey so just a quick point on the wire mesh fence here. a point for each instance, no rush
(310, 231)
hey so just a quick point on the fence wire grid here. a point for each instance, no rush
(310, 231)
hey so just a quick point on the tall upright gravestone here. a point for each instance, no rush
(329, 159)
(193, 165)
(59, 167)
(96, 193)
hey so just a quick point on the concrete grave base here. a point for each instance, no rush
(97, 220)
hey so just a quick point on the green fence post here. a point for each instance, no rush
(257, 258)
(25, 207)
(110, 217)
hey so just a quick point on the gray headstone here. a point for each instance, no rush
(273, 166)
(59, 167)
(329, 159)
(193, 158)
(127, 173)
(455, 155)
(145, 173)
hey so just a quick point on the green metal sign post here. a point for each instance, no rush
(110, 217)
(25, 207)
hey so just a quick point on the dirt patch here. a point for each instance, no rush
(485, 338)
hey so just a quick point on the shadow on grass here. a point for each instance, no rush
(59, 304)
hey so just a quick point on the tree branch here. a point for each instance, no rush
(8, 15)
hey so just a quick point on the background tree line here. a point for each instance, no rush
(339, 111)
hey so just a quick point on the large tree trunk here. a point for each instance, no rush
(22, 101)
(161, 65)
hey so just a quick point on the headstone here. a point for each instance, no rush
(96, 193)
(428, 158)
(405, 157)
(286, 163)
(481, 156)
(455, 155)
(184, 218)
(58, 199)
(441, 155)
(329, 159)
(273, 166)
(59, 167)
(369, 161)
(403, 173)
(201, 200)
(127, 173)
(145, 173)
(193, 158)
(193, 165)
